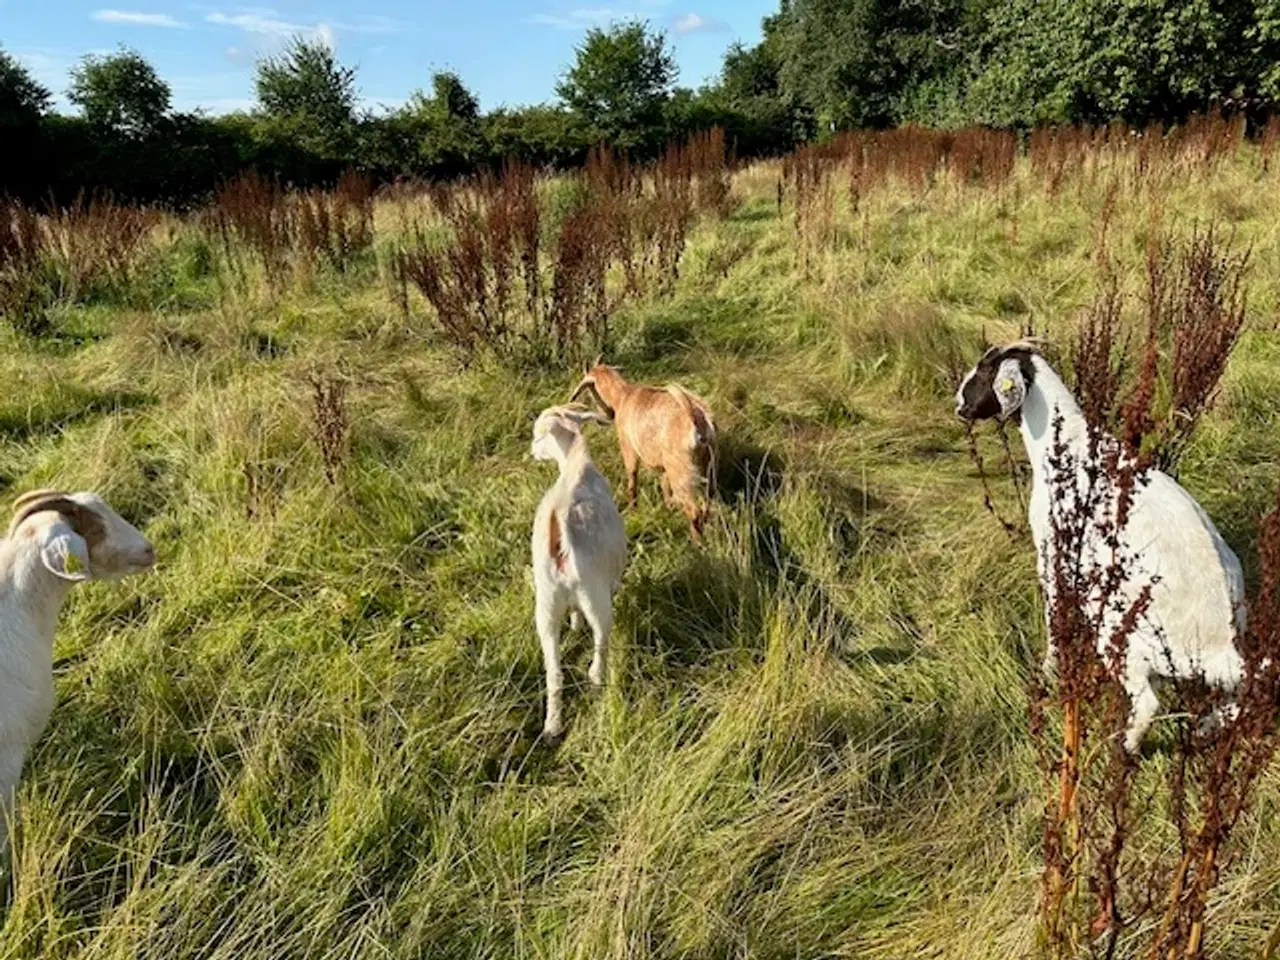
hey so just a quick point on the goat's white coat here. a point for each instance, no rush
(36, 574)
(1197, 595)
(593, 550)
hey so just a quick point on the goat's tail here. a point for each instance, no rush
(703, 441)
(704, 428)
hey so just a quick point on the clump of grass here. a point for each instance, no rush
(330, 422)
(22, 254)
(95, 247)
(288, 234)
(496, 286)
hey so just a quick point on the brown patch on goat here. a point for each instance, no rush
(558, 556)
(84, 521)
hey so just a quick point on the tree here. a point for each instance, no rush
(120, 93)
(755, 110)
(1106, 59)
(855, 62)
(541, 135)
(436, 136)
(310, 97)
(22, 101)
(452, 98)
(620, 82)
(23, 106)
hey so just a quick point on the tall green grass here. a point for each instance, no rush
(313, 732)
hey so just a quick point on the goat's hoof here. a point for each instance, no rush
(553, 738)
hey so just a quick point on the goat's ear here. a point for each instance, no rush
(65, 554)
(1010, 387)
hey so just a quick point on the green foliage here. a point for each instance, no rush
(451, 97)
(749, 99)
(857, 63)
(120, 94)
(619, 84)
(441, 134)
(1110, 59)
(22, 101)
(542, 135)
(850, 61)
(309, 98)
(23, 107)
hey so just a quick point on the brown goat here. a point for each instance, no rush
(668, 429)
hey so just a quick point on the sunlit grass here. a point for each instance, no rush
(313, 732)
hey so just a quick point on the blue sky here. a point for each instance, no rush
(507, 51)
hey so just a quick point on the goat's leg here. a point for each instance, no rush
(666, 488)
(598, 611)
(686, 496)
(1220, 717)
(549, 618)
(631, 462)
(11, 761)
(1145, 705)
(1049, 665)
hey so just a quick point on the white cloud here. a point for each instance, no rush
(581, 18)
(137, 19)
(268, 23)
(262, 22)
(696, 23)
(270, 26)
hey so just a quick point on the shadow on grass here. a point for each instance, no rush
(26, 417)
(746, 471)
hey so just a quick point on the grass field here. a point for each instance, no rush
(313, 731)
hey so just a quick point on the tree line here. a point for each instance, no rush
(820, 67)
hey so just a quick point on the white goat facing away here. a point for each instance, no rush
(579, 549)
(55, 540)
(1196, 612)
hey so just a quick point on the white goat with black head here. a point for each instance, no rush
(579, 549)
(1196, 611)
(55, 541)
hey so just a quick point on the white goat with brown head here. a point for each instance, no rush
(668, 429)
(579, 549)
(55, 540)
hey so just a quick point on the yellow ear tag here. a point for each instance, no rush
(1006, 385)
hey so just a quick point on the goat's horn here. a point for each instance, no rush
(589, 385)
(586, 384)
